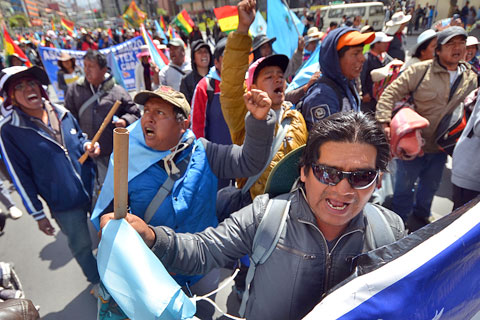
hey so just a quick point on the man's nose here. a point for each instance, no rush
(344, 187)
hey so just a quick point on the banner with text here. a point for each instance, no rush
(125, 57)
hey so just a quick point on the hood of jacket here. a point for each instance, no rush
(329, 61)
(194, 65)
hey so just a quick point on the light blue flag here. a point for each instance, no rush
(281, 26)
(116, 72)
(259, 26)
(136, 279)
(303, 75)
(162, 34)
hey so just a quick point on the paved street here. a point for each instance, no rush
(53, 280)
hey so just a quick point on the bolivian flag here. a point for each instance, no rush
(227, 17)
(11, 48)
(162, 24)
(184, 22)
(68, 25)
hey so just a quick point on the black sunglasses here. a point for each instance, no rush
(360, 179)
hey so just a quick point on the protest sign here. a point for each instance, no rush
(125, 57)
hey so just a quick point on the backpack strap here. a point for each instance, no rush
(166, 188)
(89, 102)
(277, 142)
(210, 90)
(378, 231)
(266, 238)
(178, 69)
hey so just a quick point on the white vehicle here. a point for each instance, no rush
(372, 13)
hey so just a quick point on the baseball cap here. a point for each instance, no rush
(446, 35)
(381, 37)
(472, 41)
(170, 95)
(176, 42)
(354, 38)
(198, 44)
(279, 60)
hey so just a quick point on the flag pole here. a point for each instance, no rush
(291, 17)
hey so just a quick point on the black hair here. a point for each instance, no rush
(342, 51)
(422, 47)
(352, 127)
(333, 24)
(97, 56)
(179, 114)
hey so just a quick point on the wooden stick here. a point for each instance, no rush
(104, 124)
(120, 172)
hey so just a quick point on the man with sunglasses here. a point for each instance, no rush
(325, 228)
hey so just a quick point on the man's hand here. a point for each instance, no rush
(138, 224)
(258, 103)
(246, 15)
(120, 123)
(301, 43)
(93, 150)
(367, 98)
(46, 227)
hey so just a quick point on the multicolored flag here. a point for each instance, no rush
(53, 26)
(158, 56)
(68, 25)
(184, 22)
(133, 15)
(12, 48)
(227, 17)
(162, 24)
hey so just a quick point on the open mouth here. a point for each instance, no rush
(32, 97)
(204, 60)
(336, 205)
(149, 132)
(278, 90)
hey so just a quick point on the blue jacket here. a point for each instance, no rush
(39, 165)
(321, 99)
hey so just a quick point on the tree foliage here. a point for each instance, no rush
(18, 21)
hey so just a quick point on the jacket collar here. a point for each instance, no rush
(438, 67)
(106, 85)
(20, 118)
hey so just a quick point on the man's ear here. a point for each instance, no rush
(303, 176)
(185, 124)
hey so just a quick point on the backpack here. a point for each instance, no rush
(377, 233)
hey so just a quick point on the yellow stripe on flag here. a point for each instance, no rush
(184, 22)
(228, 23)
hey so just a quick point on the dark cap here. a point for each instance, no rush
(219, 48)
(279, 60)
(447, 34)
(198, 44)
(260, 40)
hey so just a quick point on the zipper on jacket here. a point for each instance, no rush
(304, 255)
(328, 253)
(65, 150)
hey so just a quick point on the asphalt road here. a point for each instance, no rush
(53, 280)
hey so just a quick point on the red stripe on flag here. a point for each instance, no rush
(226, 11)
(187, 18)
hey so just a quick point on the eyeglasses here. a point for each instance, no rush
(23, 85)
(360, 179)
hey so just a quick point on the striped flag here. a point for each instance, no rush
(162, 24)
(158, 56)
(184, 22)
(53, 26)
(68, 25)
(431, 274)
(227, 17)
(12, 48)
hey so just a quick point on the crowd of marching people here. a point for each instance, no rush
(219, 145)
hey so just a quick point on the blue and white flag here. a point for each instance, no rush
(281, 26)
(431, 274)
(160, 31)
(310, 66)
(259, 26)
